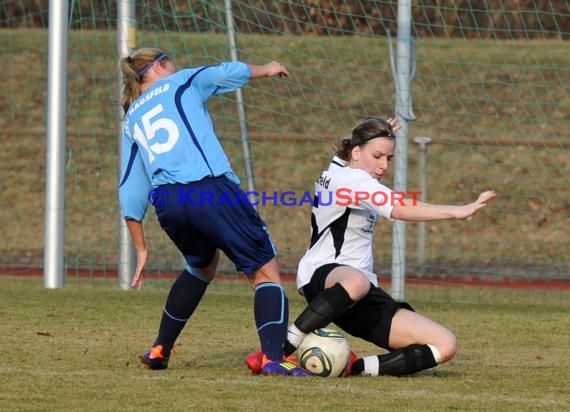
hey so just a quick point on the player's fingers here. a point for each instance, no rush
(284, 72)
(137, 279)
(483, 197)
(396, 126)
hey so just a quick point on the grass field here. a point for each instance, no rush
(466, 93)
(75, 349)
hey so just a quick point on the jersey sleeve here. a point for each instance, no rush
(366, 193)
(134, 186)
(223, 78)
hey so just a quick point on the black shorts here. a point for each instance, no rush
(370, 318)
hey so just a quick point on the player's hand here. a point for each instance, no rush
(396, 126)
(473, 207)
(276, 69)
(142, 256)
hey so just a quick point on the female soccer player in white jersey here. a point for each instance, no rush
(172, 157)
(336, 273)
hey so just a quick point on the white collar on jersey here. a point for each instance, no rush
(338, 162)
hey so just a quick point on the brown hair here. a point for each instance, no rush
(367, 130)
(133, 68)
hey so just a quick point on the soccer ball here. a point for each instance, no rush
(324, 352)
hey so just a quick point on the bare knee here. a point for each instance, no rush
(357, 287)
(352, 280)
(209, 272)
(410, 328)
(209, 275)
(447, 346)
(267, 273)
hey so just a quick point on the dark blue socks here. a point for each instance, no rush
(271, 310)
(184, 296)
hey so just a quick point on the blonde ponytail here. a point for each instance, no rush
(130, 66)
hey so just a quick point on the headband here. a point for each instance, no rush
(160, 57)
(383, 133)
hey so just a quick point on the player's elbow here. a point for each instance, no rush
(401, 212)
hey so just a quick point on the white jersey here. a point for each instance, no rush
(343, 221)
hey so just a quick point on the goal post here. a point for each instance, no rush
(54, 267)
(126, 43)
(402, 73)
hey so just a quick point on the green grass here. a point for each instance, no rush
(465, 93)
(76, 349)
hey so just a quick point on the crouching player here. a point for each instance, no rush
(336, 273)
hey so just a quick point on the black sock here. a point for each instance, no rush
(327, 306)
(184, 296)
(405, 361)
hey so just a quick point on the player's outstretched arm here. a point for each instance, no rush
(420, 211)
(137, 233)
(268, 70)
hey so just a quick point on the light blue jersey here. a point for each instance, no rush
(168, 135)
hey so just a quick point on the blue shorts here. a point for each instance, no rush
(213, 213)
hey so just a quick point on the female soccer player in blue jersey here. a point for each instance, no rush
(171, 157)
(336, 273)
